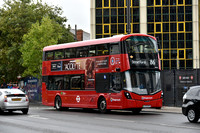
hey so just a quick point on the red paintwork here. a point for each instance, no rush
(89, 98)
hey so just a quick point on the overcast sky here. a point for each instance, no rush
(76, 11)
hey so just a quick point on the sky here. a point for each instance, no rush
(76, 11)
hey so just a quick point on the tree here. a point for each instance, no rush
(39, 36)
(16, 18)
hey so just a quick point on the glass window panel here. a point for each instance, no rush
(165, 54)
(158, 2)
(188, 36)
(180, 2)
(114, 48)
(173, 36)
(120, 3)
(188, 26)
(173, 44)
(102, 49)
(165, 27)
(121, 28)
(165, 2)
(189, 64)
(188, 2)
(173, 17)
(135, 18)
(150, 10)
(98, 36)
(92, 51)
(136, 11)
(172, 2)
(173, 54)
(106, 12)
(166, 37)
(107, 29)
(49, 55)
(106, 3)
(189, 54)
(82, 52)
(59, 54)
(120, 19)
(180, 44)
(113, 28)
(173, 10)
(181, 54)
(98, 29)
(150, 2)
(173, 64)
(181, 64)
(165, 44)
(150, 18)
(189, 44)
(188, 9)
(180, 26)
(180, 36)
(181, 9)
(113, 19)
(106, 20)
(113, 3)
(66, 82)
(173, 27)
(150, 27)
(158, 10)
(181, 17)
(188, 17)
(157, 18)
(113, 12)
(165, 10)
(136, 28)
(121, 11)
(165, 64)
(165, 18)
(98, 12)
(99, 20)
(98, 3)
(77, 82)
(158, 27)
(135, 2)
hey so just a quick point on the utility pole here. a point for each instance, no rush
(128, 28)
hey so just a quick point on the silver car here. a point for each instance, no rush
(13, 99)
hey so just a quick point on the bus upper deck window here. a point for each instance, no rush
(102, 49)
(49, 56)
(114, 48)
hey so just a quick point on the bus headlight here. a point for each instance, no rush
(127, 95)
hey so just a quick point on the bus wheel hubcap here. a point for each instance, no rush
(191, 114)
(103, 105)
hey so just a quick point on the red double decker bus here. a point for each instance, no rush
(120, 72)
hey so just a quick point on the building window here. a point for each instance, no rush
(158, 27)
(181, 27)
(106, 28)
(158, 2)
(106, 3)
(180, 2)
(181, 54)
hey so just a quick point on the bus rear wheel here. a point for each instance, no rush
(102, 105)
(58, 103)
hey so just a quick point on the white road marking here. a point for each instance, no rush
(37, 117)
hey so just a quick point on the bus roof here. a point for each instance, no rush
(112, 39)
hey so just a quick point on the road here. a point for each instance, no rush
(42, 119)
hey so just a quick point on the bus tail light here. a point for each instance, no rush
(127, 95)
(5, 99)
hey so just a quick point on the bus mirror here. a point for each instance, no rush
(117, 69)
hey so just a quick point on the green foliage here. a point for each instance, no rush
(16, 19)
(39, 36)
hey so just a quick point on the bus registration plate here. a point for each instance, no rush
(146, 106)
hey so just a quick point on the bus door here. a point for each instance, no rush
(115, 98)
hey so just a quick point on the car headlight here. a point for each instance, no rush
(184, 97)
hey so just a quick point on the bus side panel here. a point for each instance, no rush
(44, 94)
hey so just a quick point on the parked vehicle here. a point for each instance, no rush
(13, 99)
(191, 104)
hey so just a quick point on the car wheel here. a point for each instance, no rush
(192, 115)
(102, 105)
(58, 103)
(25, 111)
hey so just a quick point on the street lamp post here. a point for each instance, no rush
(128, 29)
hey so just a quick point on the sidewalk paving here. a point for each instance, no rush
(165, 109)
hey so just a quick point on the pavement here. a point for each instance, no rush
(164, 109)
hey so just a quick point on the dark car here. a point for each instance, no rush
(191, 104)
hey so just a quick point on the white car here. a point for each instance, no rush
(13, 99)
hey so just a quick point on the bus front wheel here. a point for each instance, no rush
(102, 105)
(58, 103)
